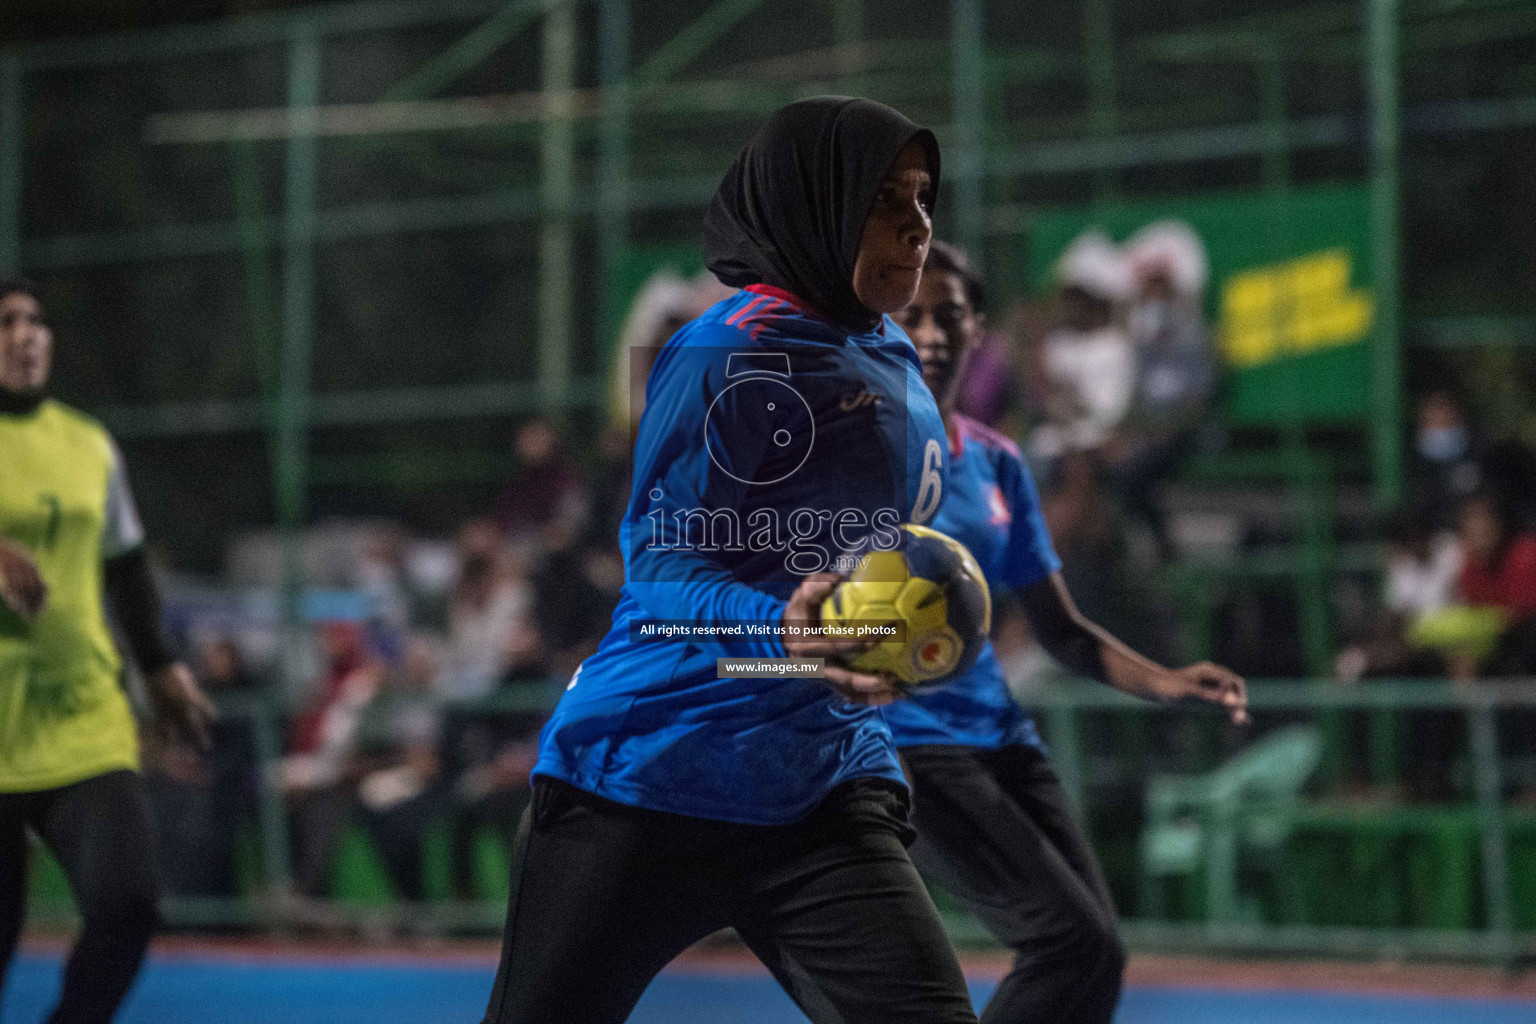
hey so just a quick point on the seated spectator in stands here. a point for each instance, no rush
(1418, 590)
(570, 610)
(1174, 373)
(1087, 372)
(202, 798)
(492, 752)
(528, 668)
(1077, 515)
(315, 773)
(396, 762)
(1028, 323)
(1499, 574)
(545, 485)
(1447, 463)
(1087, 359)
(490, 598)
(399, 598)
(1422, 569)
(1498, 580)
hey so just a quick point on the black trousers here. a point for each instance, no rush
(605, 895)
(995, 829)
(99, 830)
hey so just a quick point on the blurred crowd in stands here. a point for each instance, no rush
(427, 691)
(424, 704)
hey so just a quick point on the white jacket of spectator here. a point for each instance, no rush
(1413, 587)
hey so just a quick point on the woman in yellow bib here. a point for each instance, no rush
(69, 752)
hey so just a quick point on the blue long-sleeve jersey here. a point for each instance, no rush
(771, 441)
(993, 508)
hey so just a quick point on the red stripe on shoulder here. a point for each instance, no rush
(986, 435)
(794, 301)
(777, 293)
(752, 317)
(738, 317)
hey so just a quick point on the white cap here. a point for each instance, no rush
(1093, 263)
(1169, 247)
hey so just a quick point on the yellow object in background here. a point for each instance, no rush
(1462, 629)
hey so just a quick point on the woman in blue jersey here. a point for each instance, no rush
(994, 826)
(682, 785)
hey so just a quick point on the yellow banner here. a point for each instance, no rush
(1292, 308)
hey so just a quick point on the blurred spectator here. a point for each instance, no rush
(527, 668)
(491, 752)
(1085, 371)
(1081, 528)
(545, 485)
(664, 304)
(1174, 369)
(221, 668)
(1490, 631)
(200, 798)
(382, 579)
(1499, 573)
(399, 599)
(314, 772)
(1087, 359)
(396, 762)
(1447, 461)
(1419, 589)
(1422, 569)
(1028, 323)
(489, 599)
(571, 612)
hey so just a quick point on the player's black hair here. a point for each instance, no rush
(14, 285)
(951, 259)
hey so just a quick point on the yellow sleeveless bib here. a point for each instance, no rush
(63, 714)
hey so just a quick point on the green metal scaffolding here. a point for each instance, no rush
(588, 141)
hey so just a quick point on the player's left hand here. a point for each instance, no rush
(872, 689)
(1208, 682)
(181, 705)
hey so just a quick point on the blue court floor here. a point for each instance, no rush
(183, 989)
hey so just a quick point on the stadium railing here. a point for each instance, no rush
(1379, 839)
(1377, 875)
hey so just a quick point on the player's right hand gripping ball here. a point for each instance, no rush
(930, 584)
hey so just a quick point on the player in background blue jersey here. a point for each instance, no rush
(994, 826)
(673, 798)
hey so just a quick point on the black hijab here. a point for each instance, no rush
(20, 403)
(791, 210)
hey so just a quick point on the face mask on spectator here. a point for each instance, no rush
(1443, 444)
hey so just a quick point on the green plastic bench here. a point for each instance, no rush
(1201, 825)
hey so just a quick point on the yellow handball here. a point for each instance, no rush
(929, 592)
